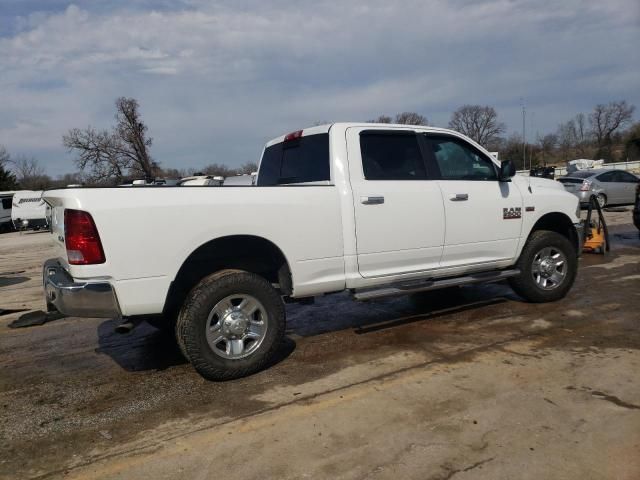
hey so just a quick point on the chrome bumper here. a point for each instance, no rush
(77, 299)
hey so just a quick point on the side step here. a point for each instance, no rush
(365, 294)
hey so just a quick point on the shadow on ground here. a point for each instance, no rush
(10, 281)
(340, 312)
(147, 348)
(144, 348)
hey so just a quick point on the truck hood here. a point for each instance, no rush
(537, 182)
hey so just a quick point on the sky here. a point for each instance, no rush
(216, 80)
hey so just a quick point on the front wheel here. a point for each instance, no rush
(231, 325)
(548, 265)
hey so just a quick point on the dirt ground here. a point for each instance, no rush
(476, 384)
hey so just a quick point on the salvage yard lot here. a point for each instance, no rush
(476, 384)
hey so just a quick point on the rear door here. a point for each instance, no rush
(627, 183)
(483, 215)
(398, 207)
(610, 187)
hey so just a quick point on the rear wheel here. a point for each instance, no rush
(548, 265)
(602, 200)
(231, 325)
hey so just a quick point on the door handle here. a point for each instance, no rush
(372, 200)
(459, 197)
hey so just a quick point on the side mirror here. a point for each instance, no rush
(507, 170)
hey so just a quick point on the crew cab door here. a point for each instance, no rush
(483, 215)
(399, 217)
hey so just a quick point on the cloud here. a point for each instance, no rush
(217, 80)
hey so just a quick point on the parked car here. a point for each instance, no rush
(636, 208)
(543, 172)
(611, 187)
(374, 209)
(29, 211)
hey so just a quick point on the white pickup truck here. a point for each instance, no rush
(374, 209)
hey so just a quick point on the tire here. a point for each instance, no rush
(602, 200)
(215, 334)
(534, 273)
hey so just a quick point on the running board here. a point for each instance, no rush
(365, 294)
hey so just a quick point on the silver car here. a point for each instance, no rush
(610, 187)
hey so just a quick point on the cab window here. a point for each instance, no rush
(458, 160)
(392, 155)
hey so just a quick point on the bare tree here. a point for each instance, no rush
(4, 155)
(547, 144)
(29, 173)
(132, 133)
(173, 172)
(218, 170)
(98, 154)
(404, 118)
(574, 138)
(632, 142)
(7, 179)
(110, 156)
(248, 167)
(381, 119)
(605, 120)
(477, 122)
(411, 118)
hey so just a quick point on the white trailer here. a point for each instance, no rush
(29, 211)
(5, 210)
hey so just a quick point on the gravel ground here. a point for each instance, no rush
(476, 384)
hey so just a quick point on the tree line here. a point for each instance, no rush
(607, 132)
(122, 152)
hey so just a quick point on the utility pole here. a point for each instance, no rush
(533, 124)
(524, 139)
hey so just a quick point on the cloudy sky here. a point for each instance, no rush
(215, 80)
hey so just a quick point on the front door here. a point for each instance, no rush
(398, 209)
(483, 215)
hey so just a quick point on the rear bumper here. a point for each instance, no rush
(584, 197)
(77, 299)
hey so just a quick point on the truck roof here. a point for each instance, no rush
(317, 129)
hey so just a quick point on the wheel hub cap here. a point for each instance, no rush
(236, 326)
(549, 268)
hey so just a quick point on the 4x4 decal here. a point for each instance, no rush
(513, 212)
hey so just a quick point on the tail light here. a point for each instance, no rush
(586, 186)
(82, 239)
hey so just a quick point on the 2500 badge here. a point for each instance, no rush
(513, 212)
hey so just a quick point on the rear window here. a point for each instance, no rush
(391, 156)
(302, 160)
(6, 203)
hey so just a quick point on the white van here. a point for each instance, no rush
(29, 210)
